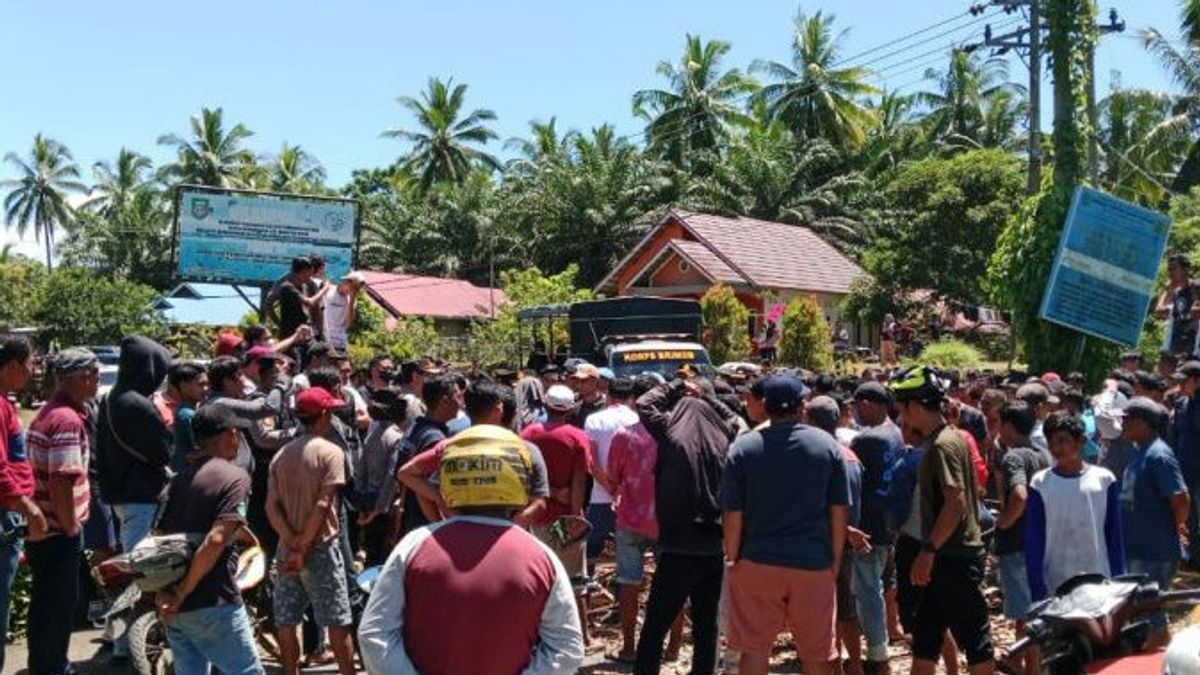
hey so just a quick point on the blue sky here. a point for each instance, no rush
(98, 76)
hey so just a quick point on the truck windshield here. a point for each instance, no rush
(662, 361)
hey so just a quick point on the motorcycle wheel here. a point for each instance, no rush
(149, 651)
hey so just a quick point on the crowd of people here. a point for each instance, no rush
(850, 512)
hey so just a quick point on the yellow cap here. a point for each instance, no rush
(485, 466)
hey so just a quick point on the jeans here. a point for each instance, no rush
(678, 578)
(10, 555)
(603, 521)
(1161, 571)
(219, 636)
(1014, 585)
(54, 565)
(867, 583)
(136, 521)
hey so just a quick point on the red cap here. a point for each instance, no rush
(261, 352)
(314, 401)
(228, 343)
(1051, 377)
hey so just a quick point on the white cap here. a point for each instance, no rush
(560, 397)
(356, 277)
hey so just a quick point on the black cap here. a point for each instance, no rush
(548, 369)
(621, 386)
(1150, 381)
(212, 420)
(1146, 409)
(1188, 369)
(1130, 356)
(874, 392)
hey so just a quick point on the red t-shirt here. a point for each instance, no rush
(981, 468)
(566, 450)
(474, 596)
(16, 475)
(58, 447)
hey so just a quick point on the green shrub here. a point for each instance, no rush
(805, 338)
(951, 354)
(726, 325)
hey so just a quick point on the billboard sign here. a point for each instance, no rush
(1102, 282)
(244, 237)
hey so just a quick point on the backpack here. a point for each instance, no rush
(899, 486)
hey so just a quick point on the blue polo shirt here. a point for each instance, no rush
(1152, 477)
(784, 479)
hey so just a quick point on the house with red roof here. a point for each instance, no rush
(764, 262)
(452, 304)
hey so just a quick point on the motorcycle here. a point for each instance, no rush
(149, 649)
(1098, 625)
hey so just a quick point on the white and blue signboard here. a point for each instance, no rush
(1102, 281)
(240, 237)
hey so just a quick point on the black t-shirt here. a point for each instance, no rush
(205, 492)
(1183, 327)
(973, 420)
(291, 308)
(1018, 468)
(425, 434)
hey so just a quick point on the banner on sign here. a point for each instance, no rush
(1102, 282)
(245, 237)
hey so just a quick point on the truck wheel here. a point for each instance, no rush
(149, 651)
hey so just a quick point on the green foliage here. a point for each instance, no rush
(726, 325)
(953, 210)
(951, 354)
(128, 239)
(18, 616)
(37, 197)
(410, 338)
(210, 155)
(498, 341)
(77, 307)
(21, 283)
(805, 339)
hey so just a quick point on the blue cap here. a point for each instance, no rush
(784, 394)
(606, 374)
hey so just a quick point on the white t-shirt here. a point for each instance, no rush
(337, 309)
(600, 428)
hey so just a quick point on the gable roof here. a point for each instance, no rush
(774, 255)
(757, 253)
(411, 295)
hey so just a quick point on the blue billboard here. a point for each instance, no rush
(1102, 282)
(242, 237)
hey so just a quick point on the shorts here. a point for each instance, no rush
(954, 600)
(322, 583)
(907, 595)
(847, 608)
(1014, 585)
(766, 599)
(573, 556)
(631, 556)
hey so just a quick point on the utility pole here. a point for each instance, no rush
(1032, 48)
(1115, 25)
(1035, 98)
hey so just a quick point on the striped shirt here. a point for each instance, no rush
(57, 443)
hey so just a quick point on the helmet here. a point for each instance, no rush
(917, 383)
(485, 466)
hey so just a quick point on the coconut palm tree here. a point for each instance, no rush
(957, 110)
(814, 97)
(897, 137)
(38, 196)
(294, 170)
(211, 155)
(1141, 148)
(1183, 66)
(117, 182)
(444, 141)
(699, 106)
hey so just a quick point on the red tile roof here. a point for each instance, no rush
(707, 261)
(412, 295)
(773, 255)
